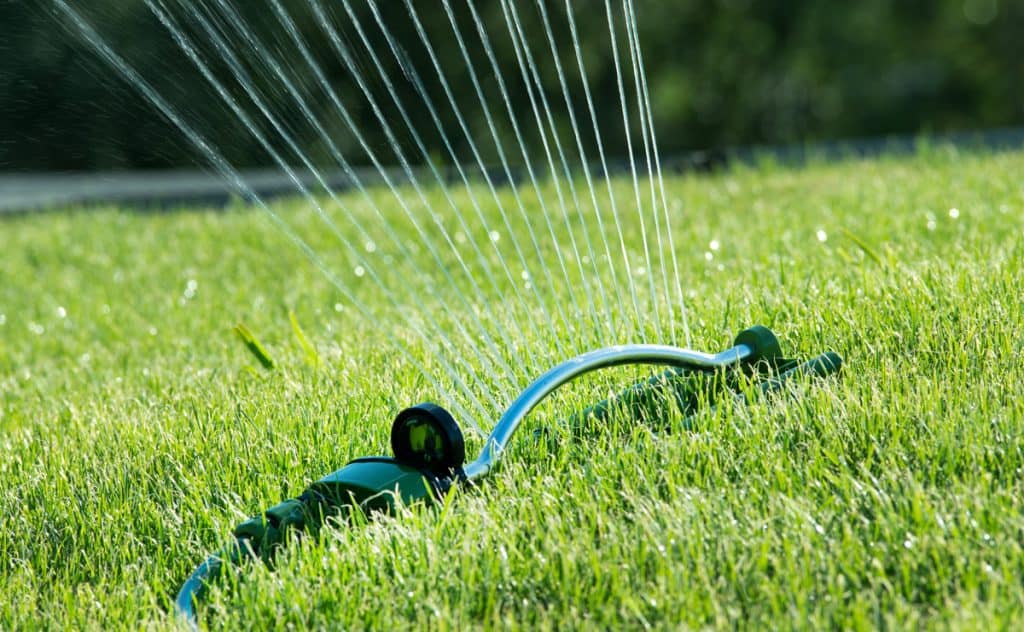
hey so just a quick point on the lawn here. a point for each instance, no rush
(136, 429)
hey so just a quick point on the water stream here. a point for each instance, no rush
(542, 241)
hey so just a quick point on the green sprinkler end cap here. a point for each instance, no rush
(762, 342)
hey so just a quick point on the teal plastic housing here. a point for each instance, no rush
(375, 484)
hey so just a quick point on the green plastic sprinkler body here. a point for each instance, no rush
(429, 448)
(429, 451)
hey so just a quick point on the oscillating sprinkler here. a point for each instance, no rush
(429, 450)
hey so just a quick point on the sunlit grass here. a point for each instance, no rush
(136, 428)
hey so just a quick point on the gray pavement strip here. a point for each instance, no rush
(156, 190)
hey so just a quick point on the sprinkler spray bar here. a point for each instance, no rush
(569, 370)
(429, 450)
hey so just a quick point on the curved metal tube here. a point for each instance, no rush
(585, 363)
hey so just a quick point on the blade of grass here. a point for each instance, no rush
(312, 357)
(254, 345)
(865, 248)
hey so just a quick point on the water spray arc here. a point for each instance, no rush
(243, 70)
(429, 449)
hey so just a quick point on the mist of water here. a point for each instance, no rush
(522, 246)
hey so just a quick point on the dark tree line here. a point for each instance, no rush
(720, 73)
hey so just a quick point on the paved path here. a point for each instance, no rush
(21, 192)
(25, 192)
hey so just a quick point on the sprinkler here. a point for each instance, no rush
(429, 450)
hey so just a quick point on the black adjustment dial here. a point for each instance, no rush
(426, 436)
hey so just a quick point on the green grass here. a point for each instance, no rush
(136, 428)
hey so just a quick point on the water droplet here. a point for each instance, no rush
(36, 328)
(360, 271)
(525, 275)
(495, 236)
(338, 307)
(908, 544)
(190, 289)
(370, 246)
(62, 313)
(153, 331)
(641, 271)
(708, 256)
(714, 245)
(821, 235)
(3, 319)
(954, 212)
(586, 259)
(460, 237)
(528, 285)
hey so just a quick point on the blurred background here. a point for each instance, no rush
(721, 73)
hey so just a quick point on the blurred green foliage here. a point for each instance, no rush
(720, 73)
